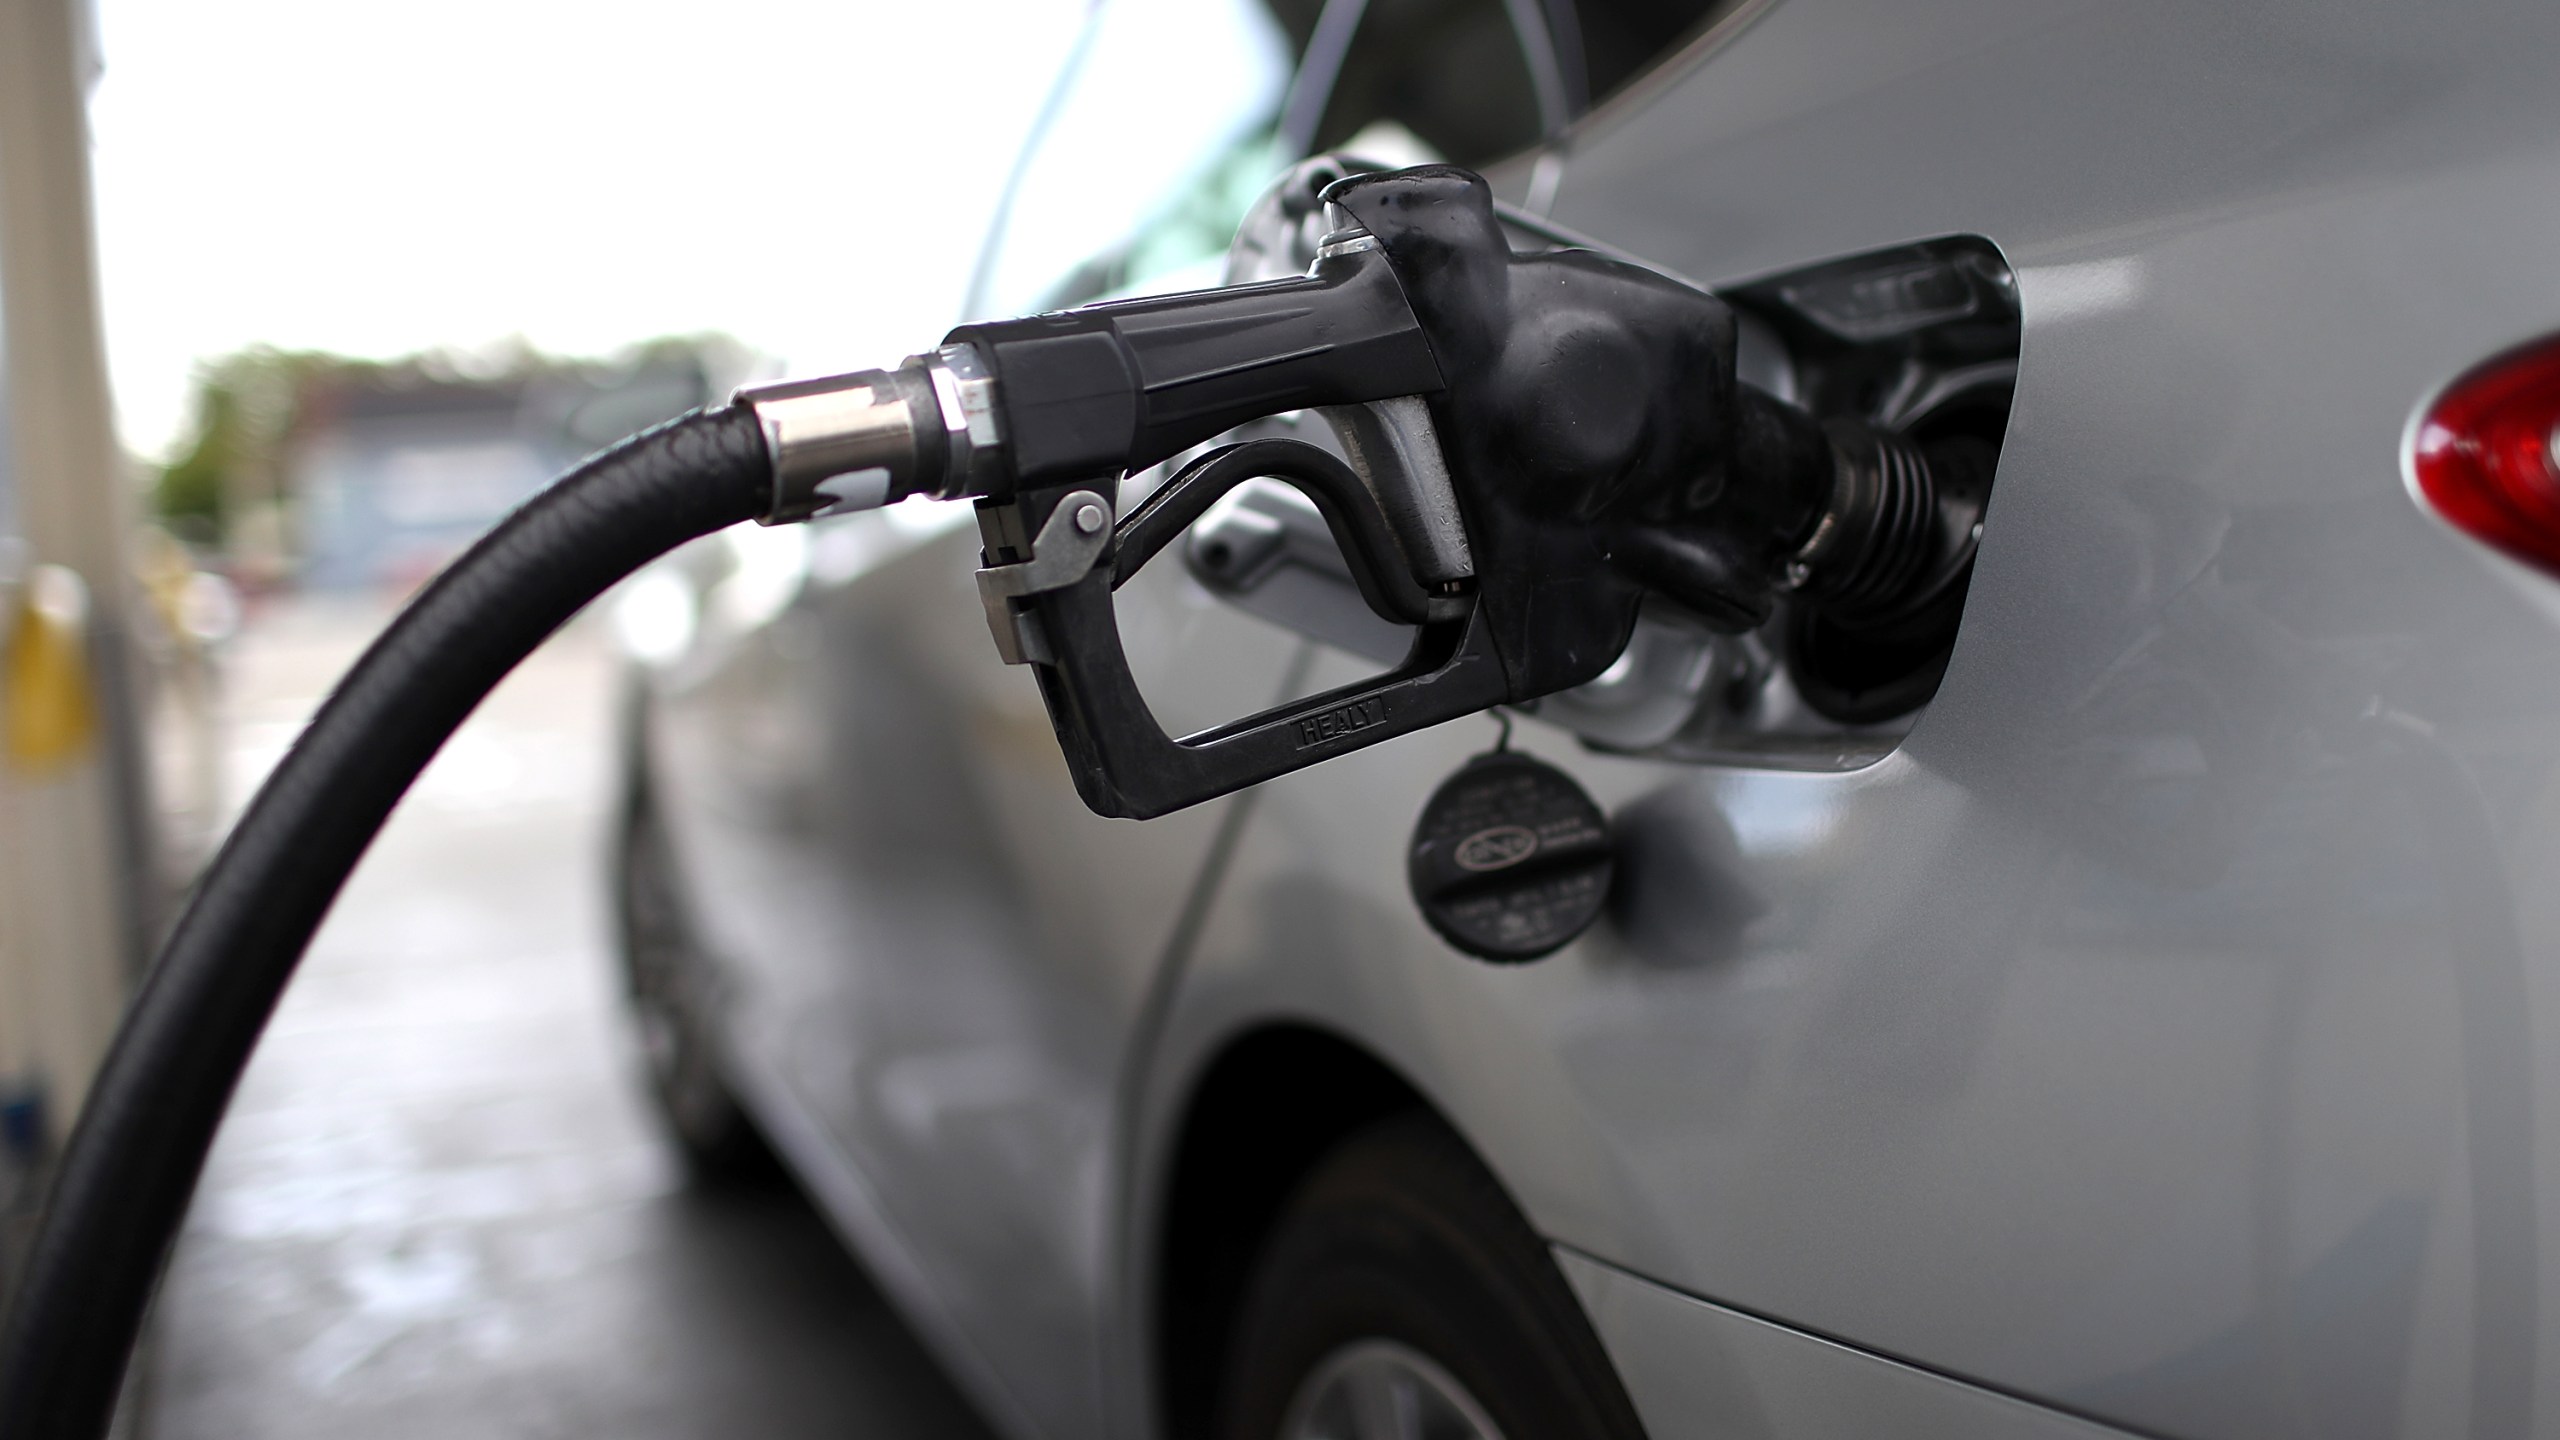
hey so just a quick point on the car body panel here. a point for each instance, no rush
(942, 952)
(1704, 1372)
(2153, 1033)
(2150, 1032)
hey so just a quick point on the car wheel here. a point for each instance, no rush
(1401, 1296)
(669, 988)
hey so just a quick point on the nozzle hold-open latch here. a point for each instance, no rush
(1076, 534)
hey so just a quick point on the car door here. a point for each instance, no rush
(939, 959)
(2143, 1021)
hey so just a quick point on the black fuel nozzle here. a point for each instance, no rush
(1536, 443)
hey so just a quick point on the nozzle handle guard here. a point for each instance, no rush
(1122, 760)
(1383, 574)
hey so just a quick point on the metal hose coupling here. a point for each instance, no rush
(869, 438)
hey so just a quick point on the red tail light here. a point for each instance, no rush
(2484, 453)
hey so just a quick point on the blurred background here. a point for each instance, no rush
(299, 298)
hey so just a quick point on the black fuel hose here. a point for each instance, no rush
(132, 1160)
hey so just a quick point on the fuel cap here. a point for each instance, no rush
(1510, 858)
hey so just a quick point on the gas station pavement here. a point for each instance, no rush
(439, 1206)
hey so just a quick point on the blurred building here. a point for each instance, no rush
(392, 471)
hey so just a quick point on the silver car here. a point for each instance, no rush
(2108, 1005)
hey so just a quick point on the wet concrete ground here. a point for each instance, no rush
(440, 1207)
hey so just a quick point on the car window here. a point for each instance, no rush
(1450, 72)
(1174, 114)
(1160, 136)
(1620, 38)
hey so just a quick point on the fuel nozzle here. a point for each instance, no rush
(1532, 445)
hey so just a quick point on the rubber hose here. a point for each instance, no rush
(132, 1161)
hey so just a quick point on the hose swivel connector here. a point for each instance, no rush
(861, 440)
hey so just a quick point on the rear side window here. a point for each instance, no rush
(1453, 72)
(1160, 136)
(1620, 39)
(1170, 119)
(1450, 71)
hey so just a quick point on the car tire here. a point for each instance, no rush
(669, 987)
(1401, 1293)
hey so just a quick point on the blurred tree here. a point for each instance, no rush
(247, 405)
(189, 494)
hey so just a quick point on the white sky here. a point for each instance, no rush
(378, 178)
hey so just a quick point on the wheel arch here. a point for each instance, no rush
(1268, 1105)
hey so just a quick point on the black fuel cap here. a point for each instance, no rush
(1510, 858)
